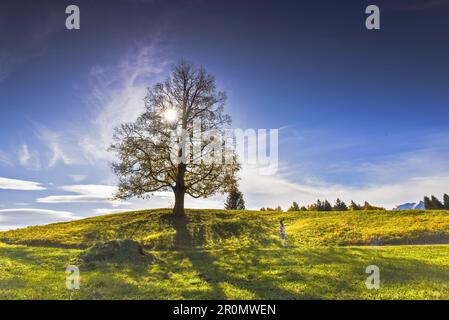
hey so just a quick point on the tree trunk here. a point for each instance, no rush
(179, 202)
(180, 191)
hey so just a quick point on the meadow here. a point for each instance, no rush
(218, 254)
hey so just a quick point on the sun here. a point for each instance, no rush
(170, 115)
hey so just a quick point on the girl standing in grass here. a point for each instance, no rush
(282, 232)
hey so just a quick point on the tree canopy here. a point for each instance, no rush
(169, 146)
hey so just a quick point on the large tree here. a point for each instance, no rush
(161, 150)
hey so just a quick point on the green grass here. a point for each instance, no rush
(406, 272)
(210, 229)
(220, 254)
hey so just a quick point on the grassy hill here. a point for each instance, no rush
(156, 229)
(217, 254)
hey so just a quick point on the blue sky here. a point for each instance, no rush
(362, 114)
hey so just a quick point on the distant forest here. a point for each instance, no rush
(432, 203)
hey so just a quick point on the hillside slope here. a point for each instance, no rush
(212, 229)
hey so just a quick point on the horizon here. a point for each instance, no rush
(361, 115)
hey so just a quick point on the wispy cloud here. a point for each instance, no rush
(400, 179)
(58, 146)
(27, 158)
(24, 155)
(19, 217)
(414, 169)
(88, 193)
(5, 159)
(15, 184)
(60, 214)
(73, 199)
(116, 96)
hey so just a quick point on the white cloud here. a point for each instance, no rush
(88, 193)
(91, 189)
(72, 199)
(15, 184)
(102, 211)
(60, 214)
(262, 190)
(384, 180)
(20, 217)
(270, 191)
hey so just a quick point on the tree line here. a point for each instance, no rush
(325, 205)
(235, 201)
(433, 203)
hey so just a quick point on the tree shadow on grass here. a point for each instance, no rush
(206, 266)
(400, 270)
(346, 275)
(343, 269)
